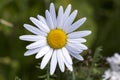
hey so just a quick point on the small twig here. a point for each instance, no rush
(4, 22)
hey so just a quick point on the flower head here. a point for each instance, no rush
(114, 72)
(111, 75)
(55, 39)
(114, 59)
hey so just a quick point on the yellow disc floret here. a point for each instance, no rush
(56, 38)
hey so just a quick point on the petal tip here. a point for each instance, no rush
(69, 5)
(51, 4)
(26, 54)
(20, 37)
(84, 18)
(89, 32)
(38, 15)
(76, 11)
(37, 57)
(24, 25)
(46, 12)
(31, 18)
(82, 59)
(41, 67)
(71, 69)
(27, 47)
(51, 73)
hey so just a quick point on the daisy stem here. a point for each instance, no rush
(48, 76)
(73, 75)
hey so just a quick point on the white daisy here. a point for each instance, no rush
(114, 62)
(55, 39)
(111, 75)
(114, 72)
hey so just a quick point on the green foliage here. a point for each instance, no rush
(106, 16)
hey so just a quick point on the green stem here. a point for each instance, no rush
(73, 75)
(48, 76)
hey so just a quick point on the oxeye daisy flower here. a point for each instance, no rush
(113, 73)
(55, 39)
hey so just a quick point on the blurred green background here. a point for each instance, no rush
(103, 19)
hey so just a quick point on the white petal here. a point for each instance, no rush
(78, 34)
(116, 55)
(31, 38)
(77, 46)
(37, 44)
(60, 60)
(60, 17)
(53, 14)
(67, 13)
(46, 59)
(40, 25)
(32, 51)
(77, 56)
(49, 20)
(64, 16)
(32, 29)
(69, 66)
(53, 63)
(42, 52)
(69, 20)
(66, 55)
(78, 40)
(42, 19)
(74, 50)
(76, 25)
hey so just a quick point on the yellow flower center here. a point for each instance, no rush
(57, 38)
